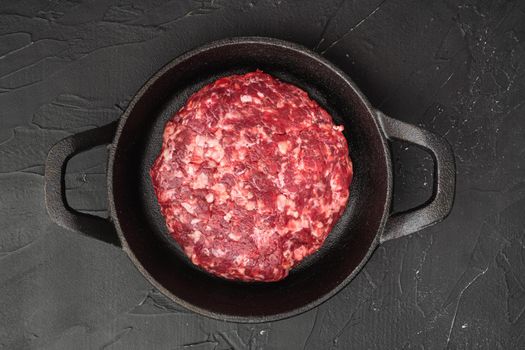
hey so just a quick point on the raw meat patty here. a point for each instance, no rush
(252, 176)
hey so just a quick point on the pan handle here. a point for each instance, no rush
(54, 185)
(440, 204)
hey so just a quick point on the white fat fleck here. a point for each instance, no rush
(209, 198)
(260, 204)
(250, 206)
(241, 259)
(191, 169)
(169, 129)
(280, 177)
(188, 207)
(261, 134)
(260, 94)
(294, 225)
(246, 98)
(216, 153)
(317, 233)
(283, 146)
(319, 186)
(201, 181)
(241, 154)
(281, 201)
(298, 225)
(238, 194)
(230, 115)
(293, 213)
(195, 236)
(218, 252)
(167, 154)
(194, 258)
(244, 142)
(200, 140)
(234, 237)
(335, 185)
(283, 231)
(338, 127)
(227, 217)
(219, 188)
(239, 173)
(299, 253)
(260, 237)
(195, 221)
(213, 142)
(249, 195)
(189, 250)
(220, 192)
(166, 195)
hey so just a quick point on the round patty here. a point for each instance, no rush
(251, 177)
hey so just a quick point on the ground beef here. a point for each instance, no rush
(252, 176)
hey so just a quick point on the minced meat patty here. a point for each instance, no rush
(251, 177)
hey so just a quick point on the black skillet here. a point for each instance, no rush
(135, 223)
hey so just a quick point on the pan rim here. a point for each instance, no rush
(244, 40)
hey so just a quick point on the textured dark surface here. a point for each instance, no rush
(453, 68)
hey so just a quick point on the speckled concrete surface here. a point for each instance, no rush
(454, 68)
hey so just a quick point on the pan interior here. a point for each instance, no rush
(138, 212)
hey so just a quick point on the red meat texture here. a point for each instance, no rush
(251, 177)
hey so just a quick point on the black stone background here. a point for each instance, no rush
(454, 68)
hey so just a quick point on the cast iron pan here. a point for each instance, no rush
(135, 223)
